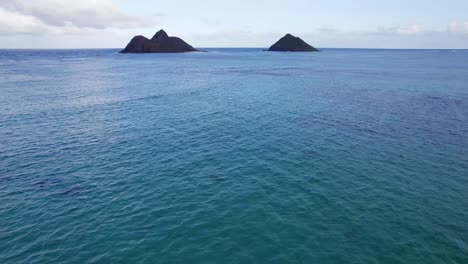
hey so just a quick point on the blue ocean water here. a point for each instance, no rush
(234, 156)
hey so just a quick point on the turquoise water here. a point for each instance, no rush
(234, 156)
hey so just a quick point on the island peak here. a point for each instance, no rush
(161, 42)
(292, 43)
(161, 34)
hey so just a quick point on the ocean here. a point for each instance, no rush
(234, 156)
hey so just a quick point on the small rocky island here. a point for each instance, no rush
(160, 43)
(292, 43)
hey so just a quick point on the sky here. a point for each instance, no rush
(242, 23)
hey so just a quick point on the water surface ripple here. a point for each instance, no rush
(234, 156)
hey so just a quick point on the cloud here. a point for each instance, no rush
(12, 22)
(405, 36)
(101, 23)
(405, 30)
(232, 38)
(457, 27)
(410, 30)
(58, 16)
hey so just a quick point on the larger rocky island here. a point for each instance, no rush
(159, 43)
(292, 43)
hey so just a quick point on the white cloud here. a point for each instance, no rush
(58, 16)
(457, 27)
(16, 23)
(406, 30)
(100, 23)
(410, 30)
(232, 38)
(408, 36)
(12, 22)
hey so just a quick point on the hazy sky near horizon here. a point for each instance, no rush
(242, 23)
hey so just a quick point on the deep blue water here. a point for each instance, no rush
(234, 156)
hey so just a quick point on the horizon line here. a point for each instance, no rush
(260, 48)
